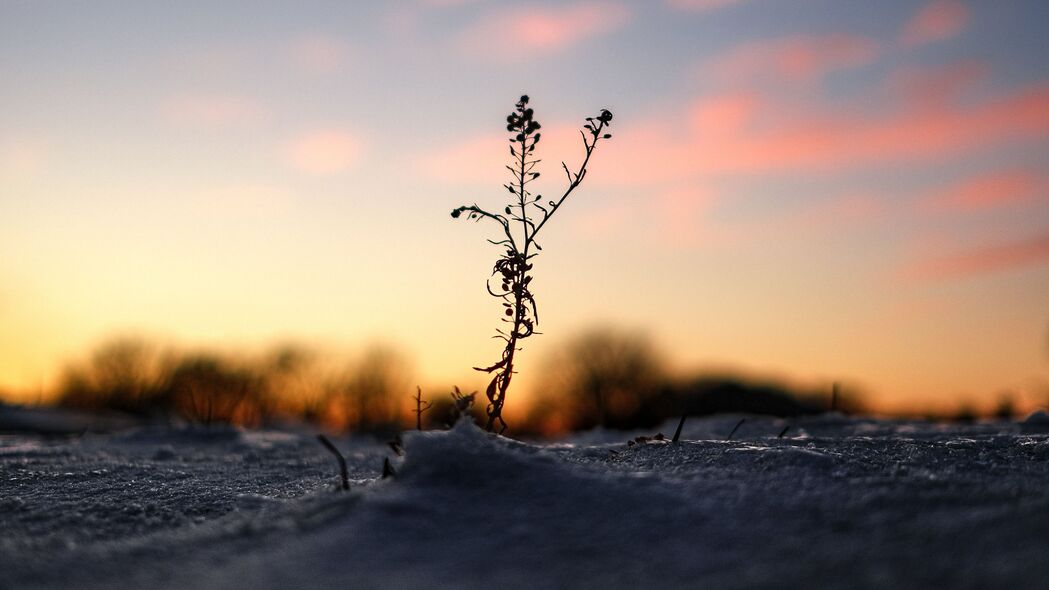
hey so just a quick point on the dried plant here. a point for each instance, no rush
(521, 221)
(461, 403)
(343, 471)
(421, 406)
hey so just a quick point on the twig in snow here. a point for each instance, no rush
(342, 460)
(784, 431)
(734, 429)
(396, 445)
(387, 469)
(420, 407)
(677, 433)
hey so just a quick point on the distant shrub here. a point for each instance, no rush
(619, 379)
(372, 389)
(124, 374)
(137, 377)
(521, 220)
(208, 390)
(601, 377)
(728, 394)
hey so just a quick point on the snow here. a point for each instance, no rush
(58, 421)
(836, 502)
(1036, 422)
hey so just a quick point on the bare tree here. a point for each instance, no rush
(600, 377)
(125, 374)
(375, 383)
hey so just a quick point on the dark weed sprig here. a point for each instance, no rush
(421, 406)
(521, 221)
(343, 471)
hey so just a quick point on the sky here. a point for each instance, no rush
(814, 191)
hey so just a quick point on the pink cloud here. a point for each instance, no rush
(803, 57)
(989, 191)
(724, 114)
(323, 152)
(751, 133)
(824, 142)
(701, 5)
(212, 110)
(921, 121)
(936, 21)
(736, 134)
(320, 54)
(1030, 252)
(653, 151)
(929, 87)
(517, 33)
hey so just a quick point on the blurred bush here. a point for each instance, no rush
(604, 377)
(207, 389)
(724, 394)
(125, 374)
(286, 383)
(601, 377)
(375, 391)
(619, 379)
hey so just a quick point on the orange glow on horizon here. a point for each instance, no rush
(853, 194)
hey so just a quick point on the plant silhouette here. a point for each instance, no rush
(521, 221)
(421, 406)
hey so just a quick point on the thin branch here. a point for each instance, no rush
(589, 147)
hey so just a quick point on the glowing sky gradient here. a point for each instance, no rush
(815, 190)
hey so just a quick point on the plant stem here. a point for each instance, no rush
(513, 267)
(343, 471)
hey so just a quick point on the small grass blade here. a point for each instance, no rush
(342, 460)
(677, 433)
(736, 427)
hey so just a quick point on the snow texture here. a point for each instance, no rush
(835, 503)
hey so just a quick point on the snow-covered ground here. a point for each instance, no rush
(835, 503)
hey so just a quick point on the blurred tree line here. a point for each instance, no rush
(603, 377)
(619, 380)
(286, 383)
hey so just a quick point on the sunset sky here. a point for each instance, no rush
(811, 190)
